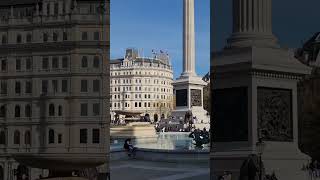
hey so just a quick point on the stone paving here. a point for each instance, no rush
(146, 170)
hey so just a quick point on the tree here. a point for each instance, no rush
(206, 98)
(309, 116)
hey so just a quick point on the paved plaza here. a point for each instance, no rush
(148, 170)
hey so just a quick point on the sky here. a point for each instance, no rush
(157, 24)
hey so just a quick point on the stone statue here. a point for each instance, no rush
(200, 137)
(250, 168)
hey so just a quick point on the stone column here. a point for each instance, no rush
(188, 38)
(252, 23)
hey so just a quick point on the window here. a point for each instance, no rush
(56, 8)
(55, 85)
(51, 110)
(48, 9)
(65, 62)
(84, 110)
(84, 35)
(65, 36)
(28, 87)
(44, 86)
(84, 62)
(51, 136)
(96, 62)
(95, 136)
(55, 62)
(3, 111)
(18, 87)
(3, 87)
(96, 109)
(29, 38)
(45, 37)
(27, 138)
(45, 63)
(59, 138)
(2, 138)
(96, 85)
(60, 111)
(4, 39)
(135, 104)
(84, 86)
(28, 64)
(4, 65)
(19, 38)
(83, 136)
(64, 86)
(18, 64)
(28, 110)
(96, 36)
(55, 36)
(16, 137)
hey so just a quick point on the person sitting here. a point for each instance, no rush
(130, 148)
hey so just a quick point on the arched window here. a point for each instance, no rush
(19, 38)
(51, 110)
(27, 138)
(3, 111)
(51, 136)
(84, 62)
(17, 111)
(16, 137)
(4, 39)
(2, 137)
(28, 111)
(29, 38)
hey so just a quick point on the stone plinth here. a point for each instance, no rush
(189, 98)
(255, 96)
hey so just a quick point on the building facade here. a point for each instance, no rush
(54, 65)
(141, 85)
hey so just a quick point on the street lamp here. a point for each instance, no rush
(260, 146)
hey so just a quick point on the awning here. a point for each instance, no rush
(128, 113)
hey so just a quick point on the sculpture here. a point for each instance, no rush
(200, 137)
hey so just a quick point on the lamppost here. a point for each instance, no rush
(260, 146)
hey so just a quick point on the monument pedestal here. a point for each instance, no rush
(255, 97)
(189, 98)
(254, 101)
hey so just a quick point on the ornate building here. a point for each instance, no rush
(141, 85)
(54, 59)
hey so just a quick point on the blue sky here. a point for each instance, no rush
(157, 24)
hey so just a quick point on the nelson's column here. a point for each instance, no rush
(189, 87)
(254, 100)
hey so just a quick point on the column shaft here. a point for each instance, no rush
(252, 16)
(188, 38)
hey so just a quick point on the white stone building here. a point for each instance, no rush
(141, 85)
(54, 59)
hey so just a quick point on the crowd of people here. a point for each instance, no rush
(313, 168)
